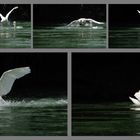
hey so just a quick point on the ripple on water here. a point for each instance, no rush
(36, 103)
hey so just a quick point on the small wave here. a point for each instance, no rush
(49, 102)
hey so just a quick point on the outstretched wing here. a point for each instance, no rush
(8, 78)
(1, 16)
(93, 21)
(97, 22)
(11, 12)
(74, 23)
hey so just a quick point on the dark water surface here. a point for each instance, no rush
(124, 37)
(19, 38)
(112, 119)
(68, 37)
(42, 117)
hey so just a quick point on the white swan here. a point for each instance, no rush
(138, 11)
(137, 100)
(5, 19)
(84, 22)
(8, 78)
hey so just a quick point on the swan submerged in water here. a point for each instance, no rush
(84, 22)
(8, 78)
(136, 100)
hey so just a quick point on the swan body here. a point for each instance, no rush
(5, 18)
(84, 22)
(8, 78)
(136, 100)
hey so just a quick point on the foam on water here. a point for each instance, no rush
(10, 28)
(45, 102)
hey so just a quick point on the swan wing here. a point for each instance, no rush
(138, 11)
(10, 12)
(137, 95)
(8, 78)
(94, 21)
(135, 101)
(2, 17)
(74, 23)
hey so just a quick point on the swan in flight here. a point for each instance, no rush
(84, 22)
(5, 19)
(8, 78)
(136, 100)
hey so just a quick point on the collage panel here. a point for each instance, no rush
(105, 94)
(33, 94)
(15, 26)
(124, 25)
(69, 25)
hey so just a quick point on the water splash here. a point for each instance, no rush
(45, 102)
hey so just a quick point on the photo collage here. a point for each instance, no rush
(70, 69)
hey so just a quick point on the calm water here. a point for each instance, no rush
(70, 37)
(19, 38)
(116, 119)
(42, 117)
(124, 37)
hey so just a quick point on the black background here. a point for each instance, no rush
(54, 14)
(124, 15)
(23, 13)
(48, 75)
(104, 77)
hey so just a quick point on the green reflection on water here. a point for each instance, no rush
(19, 38)
(124, 37)
(44, 117)
(63, 37)
(116, 119)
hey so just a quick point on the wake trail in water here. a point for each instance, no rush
(45, 102)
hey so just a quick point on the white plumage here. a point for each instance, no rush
(137, 100)
(138, 11)
(86, 22)
(5, 18)
(8, 78)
